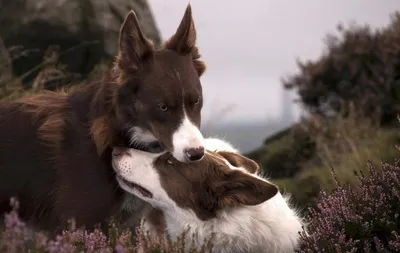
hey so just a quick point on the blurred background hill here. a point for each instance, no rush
(339, 60)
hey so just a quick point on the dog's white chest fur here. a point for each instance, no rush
(270, 227)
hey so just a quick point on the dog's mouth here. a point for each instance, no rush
(143, 191)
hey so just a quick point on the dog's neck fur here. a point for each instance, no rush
(269, 227)
(95, 108)
(101, 115)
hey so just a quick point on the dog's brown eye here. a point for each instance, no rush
(169, 161)
(196, 101)
(163, 107)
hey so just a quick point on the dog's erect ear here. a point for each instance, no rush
(184, 40)
(239, 188)
(134, 47)
(238, 160)
(233, 188)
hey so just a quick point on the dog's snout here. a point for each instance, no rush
(194, 154)
(119, 151)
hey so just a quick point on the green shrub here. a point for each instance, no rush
(283, 154)
(344, 144)
(361, 65)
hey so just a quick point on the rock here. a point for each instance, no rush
(86, 31)
(5, 66)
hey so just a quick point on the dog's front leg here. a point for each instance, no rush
(153, 228)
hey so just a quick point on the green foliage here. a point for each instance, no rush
(361, 66)
(282, 154)
(304, 192)
(344, 144)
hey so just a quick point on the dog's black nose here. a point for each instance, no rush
(194, 154)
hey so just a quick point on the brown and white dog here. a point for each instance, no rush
(221, 195)
(55, 148)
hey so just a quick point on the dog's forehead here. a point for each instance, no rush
(215, 157)
(169, 58)
(211, 160)
(175, 66)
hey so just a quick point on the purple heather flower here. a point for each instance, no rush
(119, 249)
(361, 219)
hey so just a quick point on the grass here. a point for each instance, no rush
(343, 145)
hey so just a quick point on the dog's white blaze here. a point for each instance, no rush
(186, 136)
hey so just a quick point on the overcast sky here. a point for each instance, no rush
(249, 45)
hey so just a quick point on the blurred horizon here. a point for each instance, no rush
(248, 48)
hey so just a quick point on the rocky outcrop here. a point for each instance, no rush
(5, 65)
(86, 31)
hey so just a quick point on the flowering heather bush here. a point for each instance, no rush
(17, 238)
(362, 219)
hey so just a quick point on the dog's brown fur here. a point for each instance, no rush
(56, 147)
(209, 185)
(204, 187)
(48, 108)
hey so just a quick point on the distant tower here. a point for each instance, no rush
(287, 107)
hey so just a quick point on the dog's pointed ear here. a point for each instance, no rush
(241, 161)
(134, 47)
(184, 40)
(239, 188)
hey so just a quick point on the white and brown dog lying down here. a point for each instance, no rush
(220, 196)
